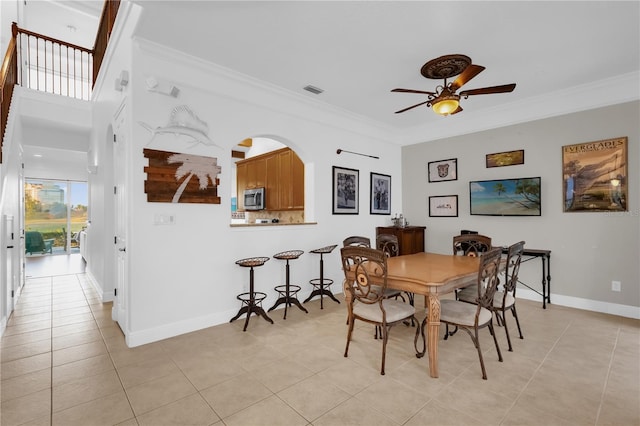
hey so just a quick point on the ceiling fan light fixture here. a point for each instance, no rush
(445, 105)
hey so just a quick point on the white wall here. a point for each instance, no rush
(10, 193)
(589, 250)
(64, 165)
(183, 276)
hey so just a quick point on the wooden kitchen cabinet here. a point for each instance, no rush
(280, 172)
(410, 238)
(292, 178)
(272, 187)
(241, 183)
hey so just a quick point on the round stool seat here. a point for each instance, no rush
(288, 255)
(324, 250)
(252, 262)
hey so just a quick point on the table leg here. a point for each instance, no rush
(549, 278)
(433, 331)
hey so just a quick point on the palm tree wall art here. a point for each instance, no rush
(181, 178)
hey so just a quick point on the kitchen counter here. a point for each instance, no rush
(251, 225)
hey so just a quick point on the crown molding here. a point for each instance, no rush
(617, 90)
(245, 88)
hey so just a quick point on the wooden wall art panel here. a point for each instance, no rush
(181, 178)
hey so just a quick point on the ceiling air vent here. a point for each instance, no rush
(313, 89)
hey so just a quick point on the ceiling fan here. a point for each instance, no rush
(445, 100)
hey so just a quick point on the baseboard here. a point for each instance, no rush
(3, 326)
(155, 334)
(142, 337)
(585, 304)
(105, 296)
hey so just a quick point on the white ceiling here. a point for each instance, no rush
(357, 51)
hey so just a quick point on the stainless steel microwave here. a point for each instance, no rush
(254, 199)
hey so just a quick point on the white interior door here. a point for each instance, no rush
(120, 303)
(9, 278)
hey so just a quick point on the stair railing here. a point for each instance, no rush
(8, 78)
(54, 66)
(47, 64)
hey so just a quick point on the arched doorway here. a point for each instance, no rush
(267, 167)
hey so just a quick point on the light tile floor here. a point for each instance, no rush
(64, 362)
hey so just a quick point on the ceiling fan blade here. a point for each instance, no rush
(489, 90)
(457, 110)
(413, 91)
(466, 75)
(412, 106)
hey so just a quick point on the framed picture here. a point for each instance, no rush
(380, 201)
(505, 197)
(443, 206)
(345, 190)
(443, 170)
(509, 158)
(594, 176)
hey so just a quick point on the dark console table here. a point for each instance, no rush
(545, 257)
(410, 238)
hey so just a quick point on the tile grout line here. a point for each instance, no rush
(606, 382)
(126, 394)
(533, 375)
(51, 350)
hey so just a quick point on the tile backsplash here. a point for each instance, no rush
(289, 216)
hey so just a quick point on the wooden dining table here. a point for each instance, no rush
(431, 275)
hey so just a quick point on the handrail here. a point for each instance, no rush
(107, 19)
(50, 39)
(60, 66)
(8, 78)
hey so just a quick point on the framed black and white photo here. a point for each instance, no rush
(443, 170)
(380, 201)
(345, 190)
(443, 206)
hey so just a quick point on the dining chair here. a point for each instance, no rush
(389, 244)
(365, 270)
(471, 244)
(505, 298)
(472, 317)
(356, 240)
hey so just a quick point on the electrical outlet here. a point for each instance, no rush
(616, 286)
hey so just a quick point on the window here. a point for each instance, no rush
(58, 211)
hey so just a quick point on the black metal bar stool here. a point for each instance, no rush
(321, 285)
(251, 301)
(288, 291)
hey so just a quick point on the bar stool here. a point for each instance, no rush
(288, 291)
(321, 285)
(251, 301)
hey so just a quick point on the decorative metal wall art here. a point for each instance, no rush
(183, 122)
